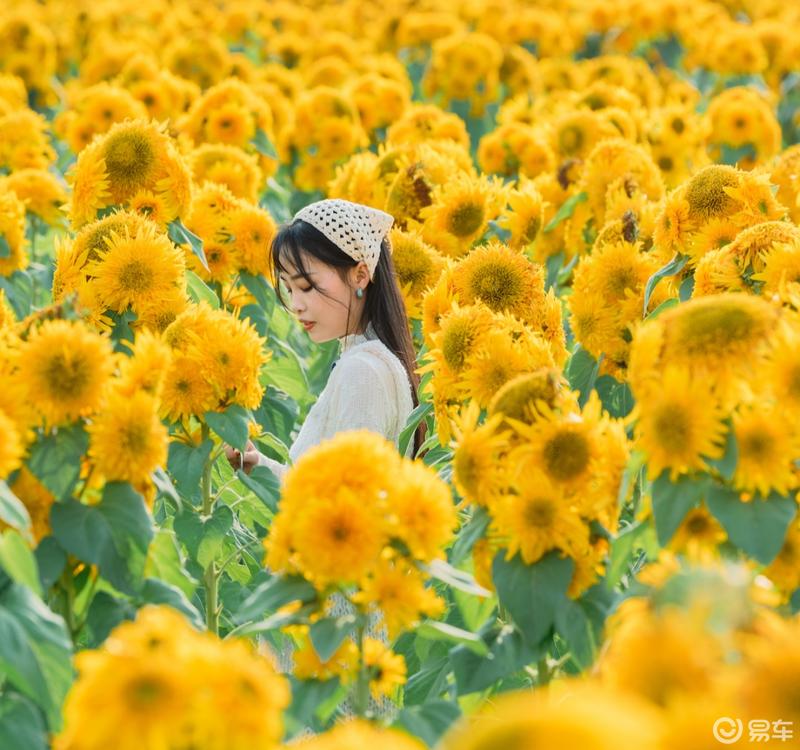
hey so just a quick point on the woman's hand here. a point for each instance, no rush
(234, 457)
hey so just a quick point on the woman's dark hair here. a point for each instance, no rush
(383, 306)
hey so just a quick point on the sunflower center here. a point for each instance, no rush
(495, 285)
(456, 343)
(706, 193)
(129, 157)
(539, 512)
(136, 276)
(566, 455)
(697, 525)
(571, 139)
(793, 381)
(466, 219)
(757, 445)
(134, 437)
(672, 427)
(531, 229)
(620, 279)
(67, 378)
(146, 692)
(714, 327)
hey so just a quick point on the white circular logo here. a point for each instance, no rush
(727, 731)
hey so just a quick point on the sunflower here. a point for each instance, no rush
(90, 184)
(460, 213)
(563, 447)
(784, 570)
(722, 333)
(127, 440)
(757, 202)
(397, 590)
(307, 664)
(230, 124)
(387, 670)
(423, 512)
(356, 180)
(437, 302)
(767, 446)
(499, 358)
(338, 537)
(138, 271)
(36, 498)
(699, 536)
(753, 244)
(228, 165)
(713, 235)
(65, 369)
(706, 192)
(12, 233)
(536, 518)
(458, 336)
(252, 229)
(153, 207)
(502, 279)
(781, 266)
(673, 226)
(525, 218)
(519, 398)
(717, 271)
(11, 447)
(222, 258)
(91, 239)
(417, 266)
(131, 152)
(145, 370)
(41, 191)
(478, 474)
(783, 368)
(187, 390)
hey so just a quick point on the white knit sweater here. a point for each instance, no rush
(367, 389)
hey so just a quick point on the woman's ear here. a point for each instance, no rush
(360, 275)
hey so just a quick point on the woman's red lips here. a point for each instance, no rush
(307, 324)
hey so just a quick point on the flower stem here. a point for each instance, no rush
(361, 692)
(210, 575)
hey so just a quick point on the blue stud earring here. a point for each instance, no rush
(359, 292)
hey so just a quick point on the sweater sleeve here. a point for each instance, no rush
(362, 398)
(277, 468)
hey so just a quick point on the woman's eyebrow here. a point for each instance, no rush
(300, 275)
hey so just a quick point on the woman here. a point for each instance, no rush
(334, 261)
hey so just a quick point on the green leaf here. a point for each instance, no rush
(35, 650)
(204, 536)
(441, 631)
(667, 304)
(616, 397)
(468, 534)
(50, 559)
(673, 500)
(18, 561)
(180, 235)
(573, 625)
(429, 721)
(274, 593)
(274, 622)
(417, 415)
(259, 288)
(155, 591)
(622, 548)
(674, 267)
(443, 571)
(508, 653)
(114, 534)
(263, 145)
(5, 248)
(199, 291)
(12, 510)
(105, 613)
(164, 562)
(308, 698)
(19, 292)
(21, 725)
(185, 465)
(757, 527)
(582, 370)
(565, 211)
(532, 594)
(286, 373)
(329, 633)
(231, 425)
(263, 484)
(273, 441)
(56, 459)
(726, 464)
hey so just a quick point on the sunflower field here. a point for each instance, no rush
(597, 238)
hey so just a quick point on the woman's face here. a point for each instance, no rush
(322, 309)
